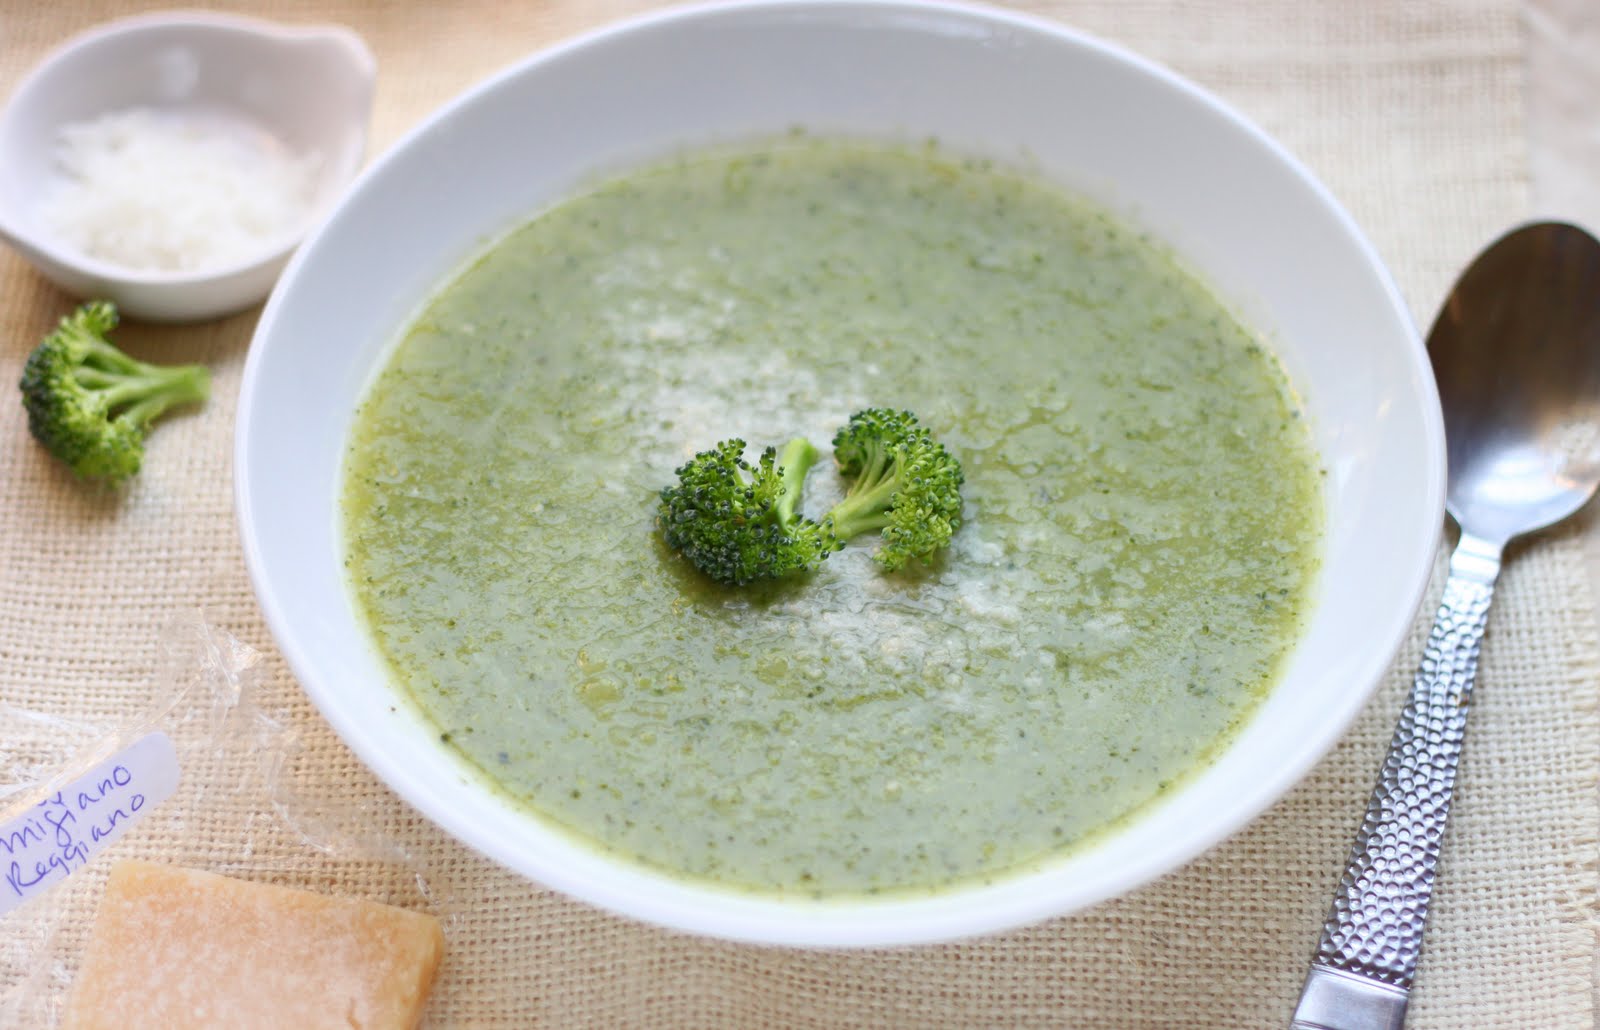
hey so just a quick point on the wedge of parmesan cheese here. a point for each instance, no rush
(176, 948)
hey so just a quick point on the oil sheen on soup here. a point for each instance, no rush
(1142, 520)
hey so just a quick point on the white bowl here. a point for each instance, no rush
(310, 87)
(1143, 141)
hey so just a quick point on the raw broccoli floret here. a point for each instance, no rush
(904, 483)
(90, 404)
(739, 522)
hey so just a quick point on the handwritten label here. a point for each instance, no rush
(62, 833)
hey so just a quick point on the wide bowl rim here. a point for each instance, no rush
(859, 922)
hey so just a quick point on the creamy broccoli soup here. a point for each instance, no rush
(1141, 520)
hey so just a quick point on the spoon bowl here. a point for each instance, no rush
(1516, 354)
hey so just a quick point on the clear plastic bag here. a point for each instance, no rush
(245, 805)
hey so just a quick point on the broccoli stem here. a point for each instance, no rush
(143, 392)
(101, 354)
(865, 507)
(863, 513)
(794, 461)
(188, 384)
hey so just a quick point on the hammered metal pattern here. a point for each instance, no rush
(1375, 927)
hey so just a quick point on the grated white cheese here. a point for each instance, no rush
(176, 190)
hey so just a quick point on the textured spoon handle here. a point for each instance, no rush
(1362, 972)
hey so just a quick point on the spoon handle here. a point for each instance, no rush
(1361, 975)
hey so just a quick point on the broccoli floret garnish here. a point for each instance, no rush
(904, 483)
(90, 404)
(739, 522)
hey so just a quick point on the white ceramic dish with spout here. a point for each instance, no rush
(1096, 119)
(310, 87)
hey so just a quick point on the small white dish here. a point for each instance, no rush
(310, 87)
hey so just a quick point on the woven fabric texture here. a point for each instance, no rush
(1410, 110)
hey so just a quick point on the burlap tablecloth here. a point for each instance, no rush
(1411, 110)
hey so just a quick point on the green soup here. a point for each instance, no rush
(1142, 520)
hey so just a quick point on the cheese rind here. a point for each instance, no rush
(178, 948)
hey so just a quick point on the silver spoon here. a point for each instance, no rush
(1516, 352)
